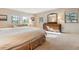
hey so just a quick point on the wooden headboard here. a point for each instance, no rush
(52, 25)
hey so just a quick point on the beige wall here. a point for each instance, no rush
(9, 13)
(66, 27)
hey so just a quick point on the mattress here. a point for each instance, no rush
(10, 37)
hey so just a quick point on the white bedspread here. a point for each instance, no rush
(10, 37)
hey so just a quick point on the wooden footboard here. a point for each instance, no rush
(30, 45)
(37, 42)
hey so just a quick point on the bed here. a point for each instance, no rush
(21, 38)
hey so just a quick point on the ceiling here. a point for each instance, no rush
(32, 10)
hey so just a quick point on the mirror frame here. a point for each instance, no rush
(52, 14)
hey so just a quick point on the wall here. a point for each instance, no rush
(66, 27)
(9, 13)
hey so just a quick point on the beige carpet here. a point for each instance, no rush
(63, 41)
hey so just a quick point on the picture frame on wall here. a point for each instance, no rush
(33, 18)
(71, 17)
(3, 17)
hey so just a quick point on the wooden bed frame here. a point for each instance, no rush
(30, 45)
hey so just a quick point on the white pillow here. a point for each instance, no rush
(50, 29)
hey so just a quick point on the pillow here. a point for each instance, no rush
(51, 29)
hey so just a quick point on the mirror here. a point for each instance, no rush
(52, 17)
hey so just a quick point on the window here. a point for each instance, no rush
(15, 19)
(20, 20)
(25, 20)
